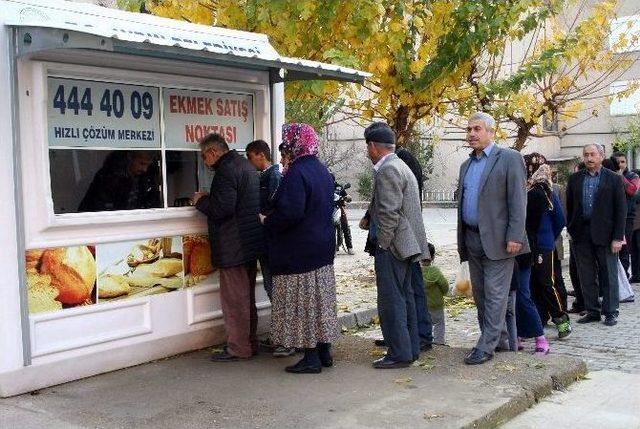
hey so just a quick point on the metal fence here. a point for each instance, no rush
(438, 196)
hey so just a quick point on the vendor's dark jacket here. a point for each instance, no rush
(232, 209)
(300, 228)
(609, 208)
(113, 188)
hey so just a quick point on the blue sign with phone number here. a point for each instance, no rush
(84, 113)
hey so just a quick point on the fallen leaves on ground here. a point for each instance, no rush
(427, 363)
(537, 365)
(405, 380)
(343, 308)
(506, 367)
(457, 304)
(377, 352)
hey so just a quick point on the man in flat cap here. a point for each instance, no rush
(395, 216)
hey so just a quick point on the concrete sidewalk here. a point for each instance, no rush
(189, 391)
(608, 399)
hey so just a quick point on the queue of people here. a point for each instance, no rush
(510, 217)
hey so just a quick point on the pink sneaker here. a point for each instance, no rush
(542, 347)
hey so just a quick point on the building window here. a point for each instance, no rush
(628, 105)
(117, 146)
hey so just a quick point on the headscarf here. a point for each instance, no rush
(532, 161)
(542, 176)
(299, 140)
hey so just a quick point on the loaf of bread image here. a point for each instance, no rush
(165, 267)
(197, 255)
(113, 285)
(72, 271)
(33, 259)
(41, 295)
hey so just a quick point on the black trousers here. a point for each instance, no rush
(543, 287)
(559, 279)
(635, 254)
(625, 252)
(575, 280)
(596, 264)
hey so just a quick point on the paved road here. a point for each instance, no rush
(602, 347)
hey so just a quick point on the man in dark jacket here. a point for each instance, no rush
(128, 180)
(631, 183)
(259, 155)
(236, 239)
(596, 212)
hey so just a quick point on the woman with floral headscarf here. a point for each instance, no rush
(544, 223)
(301, 251)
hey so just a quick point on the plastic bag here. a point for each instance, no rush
(463, 285)
(623, 283)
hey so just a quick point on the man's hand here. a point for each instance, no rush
(513, 247)
(261, 218)
(364, 223)
(616, 245)
(197, 196)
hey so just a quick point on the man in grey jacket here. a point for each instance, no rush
(491, 229)
(396, 217)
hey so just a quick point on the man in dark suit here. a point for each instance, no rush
(596, 211)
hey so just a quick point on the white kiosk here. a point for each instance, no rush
(102, 267)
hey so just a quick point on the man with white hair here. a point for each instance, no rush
(596, 211)
(491, 229)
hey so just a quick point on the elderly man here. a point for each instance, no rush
(596, 212)
(491, 229)
(236, 239)
(396, 218)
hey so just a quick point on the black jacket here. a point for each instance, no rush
(114, 188)
(609, 208)
(232, 209)
(413, 164)
(301, 234)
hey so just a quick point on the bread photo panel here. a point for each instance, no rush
(139, 268)
(61, 277)
(197, 260)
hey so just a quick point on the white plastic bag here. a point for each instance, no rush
(623, 283)
(463, 285)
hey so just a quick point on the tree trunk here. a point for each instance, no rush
(402, 126)
(524, 131)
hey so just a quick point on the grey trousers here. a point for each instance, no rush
(437, 319)
(490, 281)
